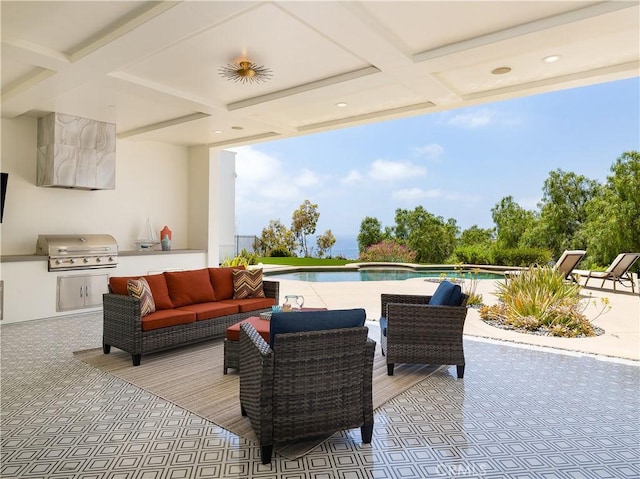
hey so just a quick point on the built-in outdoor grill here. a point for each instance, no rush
(71, 252)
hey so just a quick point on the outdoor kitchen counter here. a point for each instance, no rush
(31, 291)
(12, 258)
(153, 251)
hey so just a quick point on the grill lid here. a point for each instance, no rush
(76, 245)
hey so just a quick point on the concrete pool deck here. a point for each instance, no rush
(621, 323)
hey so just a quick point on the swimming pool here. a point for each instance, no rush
(379, 275)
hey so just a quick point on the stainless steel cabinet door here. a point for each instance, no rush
(95, 287)
(77, 292)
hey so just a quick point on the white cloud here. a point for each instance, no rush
(354, 176)
(472, 120)
(259, 175)
(307, 178)
(431, 152)
(412, 194)
(255, 167)
(383, 170)
(481, 118)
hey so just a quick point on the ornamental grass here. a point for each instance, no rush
(539, 299)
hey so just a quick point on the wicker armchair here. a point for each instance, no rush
(414, 332)
(310, 384)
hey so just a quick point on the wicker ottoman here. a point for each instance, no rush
(231, 341)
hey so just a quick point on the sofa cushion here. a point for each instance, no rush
(159, 290)
(210, 310)
(189, 287)
(251, 304)
(166, 318)
(157, 283)
(139, 288)
(315, 321)
(222, 281)
(447, 294)
(247, 283)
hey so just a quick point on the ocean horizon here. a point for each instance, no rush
(346, 246)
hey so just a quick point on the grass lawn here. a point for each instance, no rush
(290, 261)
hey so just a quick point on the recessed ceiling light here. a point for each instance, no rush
(551, 58)
(501, 70)
(341, 104)
(217, 131)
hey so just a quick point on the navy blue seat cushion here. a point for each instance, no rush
(447, 294)
(302, 321)
(456, 296)
(383, 325)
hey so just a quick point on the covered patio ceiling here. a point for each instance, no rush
(152, 68)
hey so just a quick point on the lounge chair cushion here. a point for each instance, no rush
(447, 294)
(303, 321)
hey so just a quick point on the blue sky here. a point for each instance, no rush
(456, 164)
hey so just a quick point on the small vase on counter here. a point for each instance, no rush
(165, 238)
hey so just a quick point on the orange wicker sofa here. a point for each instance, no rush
(180, 307)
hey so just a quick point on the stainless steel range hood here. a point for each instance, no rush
(76, 152)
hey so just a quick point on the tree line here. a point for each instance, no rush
(575, 212)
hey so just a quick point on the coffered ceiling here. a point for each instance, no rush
(152, 67)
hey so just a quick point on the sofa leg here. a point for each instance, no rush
(136, 359)
(106, 348)
(224, 370)
(460, 370)
(243, 411)
(366, 431)
(265, 453)
(390, 369)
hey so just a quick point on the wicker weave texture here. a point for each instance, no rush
(421, 334)
(310, 384)
(122, 325)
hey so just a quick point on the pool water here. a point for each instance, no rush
(379, 275)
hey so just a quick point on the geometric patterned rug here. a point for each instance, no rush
(191, 377)
(520, 412)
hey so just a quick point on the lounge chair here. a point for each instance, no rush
(566, 265)
(617, 272)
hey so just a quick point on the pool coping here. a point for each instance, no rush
(280, 269)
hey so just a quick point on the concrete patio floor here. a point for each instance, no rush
(621, 323)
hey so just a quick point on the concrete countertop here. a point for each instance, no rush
(35, 257)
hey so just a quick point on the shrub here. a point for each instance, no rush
(474, 254)
(280, 253)
(520, 256)
(390, 251)
(539, 299)
(245, 258)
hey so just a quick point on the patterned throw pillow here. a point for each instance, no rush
(247, 283)
(139, 288)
